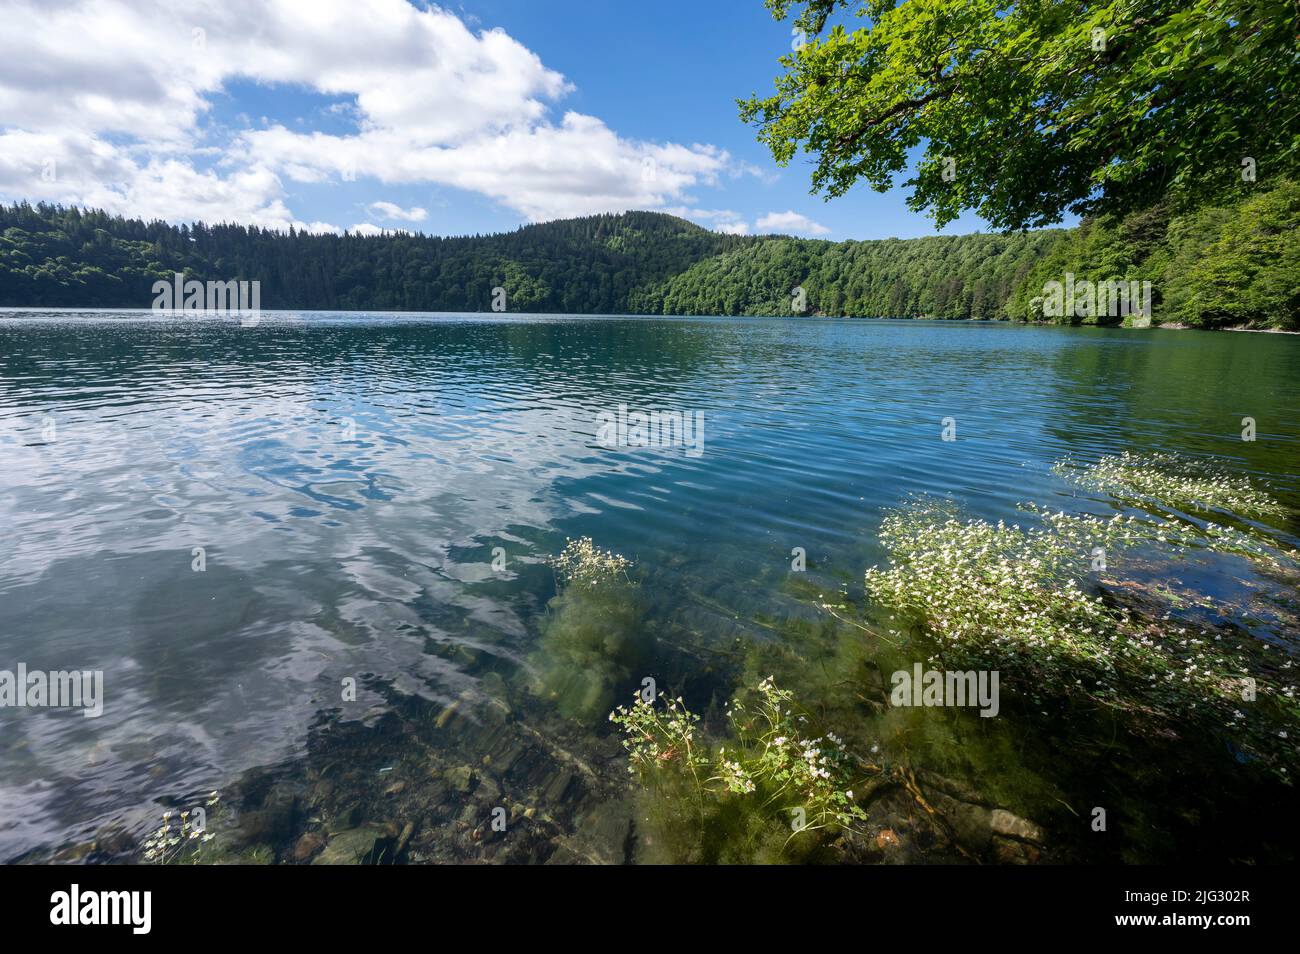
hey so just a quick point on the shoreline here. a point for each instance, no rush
(143, 311)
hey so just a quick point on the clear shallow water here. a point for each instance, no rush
(349, 476)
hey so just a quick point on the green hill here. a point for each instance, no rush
(1235, 265)
(966, 276)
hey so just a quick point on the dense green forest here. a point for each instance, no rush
(968, 276)
(1230, 265)
(1235, 265)
(57, 256)
(639, 262)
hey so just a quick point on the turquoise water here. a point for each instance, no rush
(348, 477)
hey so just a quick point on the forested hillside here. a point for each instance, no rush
(1236, 264)
(1231, 265)
(967, 276)
(639, 262)
(68, 257)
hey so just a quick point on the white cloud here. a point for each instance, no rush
(720, 220)
(791, 221)
(544, 171)
(390, 210)
(117, 91)
(81, 169)
(733, 228)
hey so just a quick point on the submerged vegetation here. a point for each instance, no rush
(593, 639)
(770, 782)
(978, 595)
(1047, 607)
(792, 749)
(1169, 480)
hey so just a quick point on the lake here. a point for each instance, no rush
(238, 524)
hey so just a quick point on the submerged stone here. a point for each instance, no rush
(355, 846)
(1013, 826)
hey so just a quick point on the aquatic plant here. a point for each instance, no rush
(980, 595)
(657, 736)
(581, 563)
(772, 775)
(593, 637)
(1079, 533)
(180, 836)
(1172, 480)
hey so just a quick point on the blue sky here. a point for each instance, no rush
(478, 116)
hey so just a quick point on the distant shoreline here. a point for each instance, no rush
(271, 312)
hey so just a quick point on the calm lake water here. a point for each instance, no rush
(349, 476)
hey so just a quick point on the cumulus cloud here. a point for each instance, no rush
(390, 210)
(82, 169)
(125, 120)
(720, 220)
(733, 228)
(544, 170)
(791, 221)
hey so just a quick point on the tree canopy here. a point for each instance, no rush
(1028, 109)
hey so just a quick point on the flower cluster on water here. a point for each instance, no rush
(179, 831)
(582, 563)
(984, 591)
(776, 752)
(1074, 534)
(1172, 480)
(1068, 628)
(654, 736)
(995, 596)
(771, 758)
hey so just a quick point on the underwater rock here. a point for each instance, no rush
(605, 834)
(447, 714)
(971, 825)
(962, 791)
(354, 846)
(494, 686)
(267, 826)
(269, 813)
(1013, 826)
(506, 753)
(460, 778)
(109, 844)
(403, 839)
(306, 846)
(1008, 851)
(557, 785)
(74, 854)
